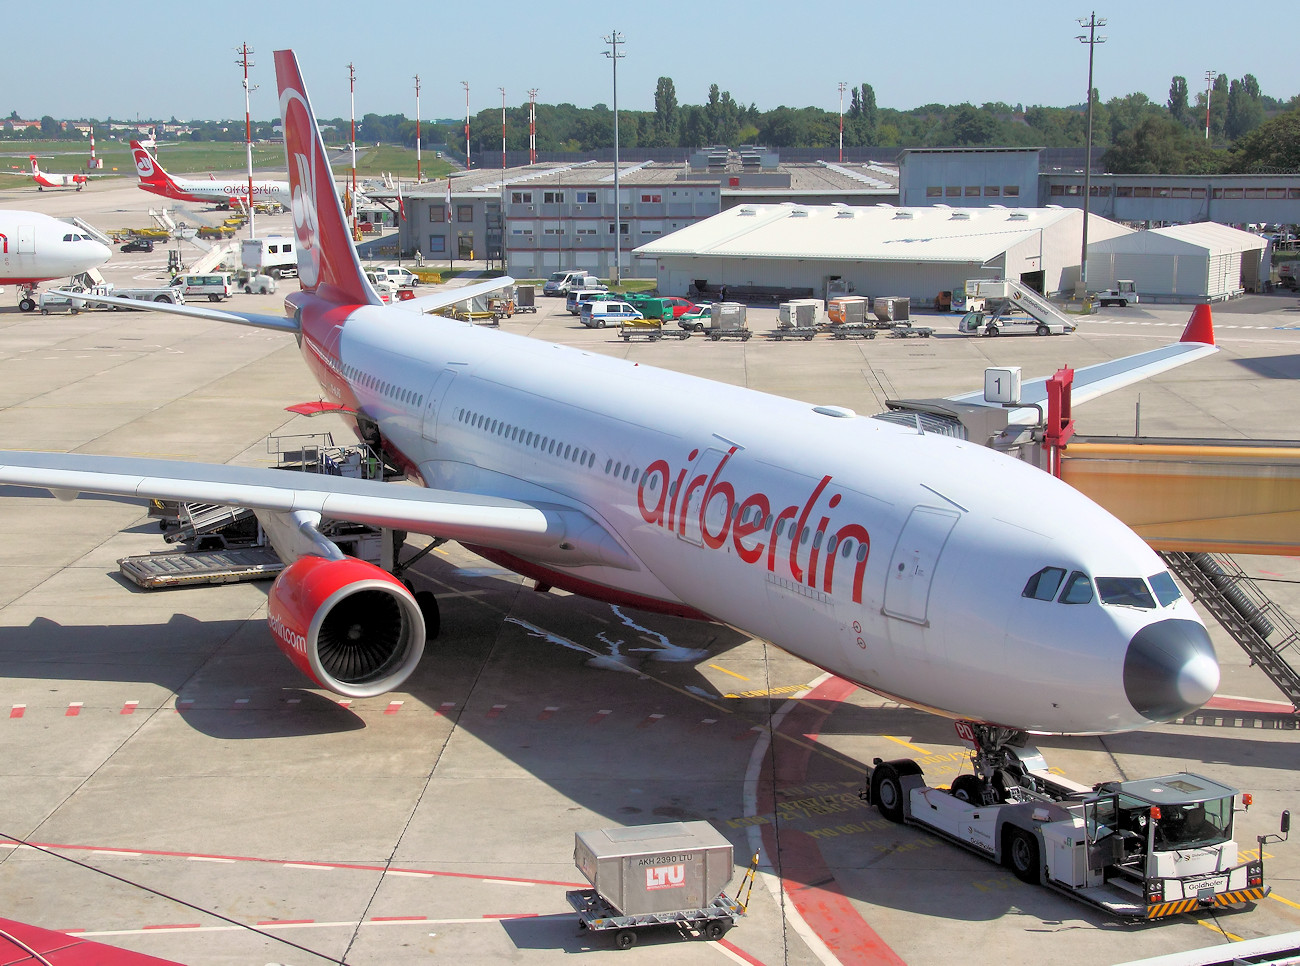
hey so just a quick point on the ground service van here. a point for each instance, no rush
(216, 286)
(577, 296)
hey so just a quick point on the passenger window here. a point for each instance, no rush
(1078, 589)
(1166, 590)
(1125, 592)
(1044, 584)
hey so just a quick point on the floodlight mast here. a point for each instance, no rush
(1092, 40)
(615, 39)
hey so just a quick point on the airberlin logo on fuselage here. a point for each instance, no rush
(755, 529)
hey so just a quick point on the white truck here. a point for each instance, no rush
(1124, 292)
(1141, 849)
(562, 283)
(273, 255)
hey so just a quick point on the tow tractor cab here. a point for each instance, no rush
(1141, 849)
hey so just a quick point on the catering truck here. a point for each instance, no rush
(1141, 849)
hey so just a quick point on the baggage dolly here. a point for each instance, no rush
(597, 915)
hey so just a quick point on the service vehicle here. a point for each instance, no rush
(1124, 292)
(166, 293)
(217, 286)
(562, 283)
(724, 320)
(138, 245)
(1140, 849)
(386, 290)
(671, 874)
(253, 284)
(597, 314)
(573, 301)
(666, 307)
(401, 277)
(697, 319)
(273, 255)
(1001, 322)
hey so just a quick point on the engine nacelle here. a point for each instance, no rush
(346, 624)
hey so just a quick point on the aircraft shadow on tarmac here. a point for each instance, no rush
(1272, 367)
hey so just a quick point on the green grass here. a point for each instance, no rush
(397, 161)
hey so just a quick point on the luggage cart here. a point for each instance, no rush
(671, 874)
(525, 299)
(905, 330)
(727, 321)
(853, 330)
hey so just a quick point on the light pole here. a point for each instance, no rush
(1092, 40)
(465, 84)
(1209, 88)
(532, 125)
(614, 40)
(843, 85)
(352, 101)
(244, 52)
(418, 178)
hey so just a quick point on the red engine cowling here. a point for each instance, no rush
(346, 624)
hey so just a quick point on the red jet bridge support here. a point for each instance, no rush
(1060, 420)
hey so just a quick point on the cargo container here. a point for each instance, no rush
(848, 309)
(655, 868)
(891, 308)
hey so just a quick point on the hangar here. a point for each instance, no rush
(880, 250)
(1204, 262)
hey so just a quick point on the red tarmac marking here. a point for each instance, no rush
(445, 708)
(737, 951)
(393, 707)
(649, 720)
(496, 711)
(748, 733)
(17, 710)
(74, 709)
(129, 707)
(599, 716)
(1248, 704)
(547, 713)
(827, 910)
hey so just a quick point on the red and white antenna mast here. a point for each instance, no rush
(352, 100)
(503, 130)
(94, 163)
(532, 126)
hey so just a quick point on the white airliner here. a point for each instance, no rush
(46, 180)
(154, 179)
(36, 248)
(915, 564)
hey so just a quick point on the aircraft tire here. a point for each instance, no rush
(27, 305)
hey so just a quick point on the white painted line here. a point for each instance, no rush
(208, 858)
(423, 923)
(129, 855)
(304, 865)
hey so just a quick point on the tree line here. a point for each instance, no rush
(1248, 131)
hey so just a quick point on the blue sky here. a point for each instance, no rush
(80, 58)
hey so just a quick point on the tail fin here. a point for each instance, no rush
(1200, 327)
(36, 168)
(327, 262)
(147, 166)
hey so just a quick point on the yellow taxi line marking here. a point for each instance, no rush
(907, 744)
(1219, 929)
(725, 671)
(1293, 905)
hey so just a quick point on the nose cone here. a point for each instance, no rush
(100, 252)
(1170, 669)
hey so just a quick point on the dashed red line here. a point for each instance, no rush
(738, 952)
(17, 710)
(74, 709)
(599, 716)
(495, 712)
(750, 732)
(394, 707)
(345, 702)
(547, 713)
(129, 707)
(445, 708)
(649, 720)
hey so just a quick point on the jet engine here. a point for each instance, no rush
(346, 624)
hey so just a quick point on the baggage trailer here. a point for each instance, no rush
(652, 330)
(798, 319)
(853, 330)
(525, 299)
(671, 874)
(727, 321)
(1141, 849)
(906, 330)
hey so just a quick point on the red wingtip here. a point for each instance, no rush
(1200, 327)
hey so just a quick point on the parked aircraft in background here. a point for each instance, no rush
(915, 564)
(46, 180)
(213, 191)
(36, 248)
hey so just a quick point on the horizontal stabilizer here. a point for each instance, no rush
(257, 320)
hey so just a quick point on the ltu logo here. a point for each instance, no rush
(665, 877)
(143, 164)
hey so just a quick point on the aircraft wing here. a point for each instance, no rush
(21, 943)
(279, 322)
(439, 300)
(1097, 380)
(538, 530)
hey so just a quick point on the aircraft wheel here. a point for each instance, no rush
(1043, 330)
(27, 305)
(888, 793)
(967, 788)
(625, 939)
(1022, 855)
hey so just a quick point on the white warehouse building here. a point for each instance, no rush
(881, 250)
(1204, 262)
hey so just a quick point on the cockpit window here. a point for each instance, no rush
(1166, 590)
(1044, 584)
(1125, 592)
(1078, 589)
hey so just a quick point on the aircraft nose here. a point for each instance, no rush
(1170, 669)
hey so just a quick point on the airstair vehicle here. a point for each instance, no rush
(991, 302)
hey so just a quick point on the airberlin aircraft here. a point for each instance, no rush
(213, 192)
(36, 248)
(46, 180)
(918, 565)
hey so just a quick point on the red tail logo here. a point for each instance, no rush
(327, 262)
(148, 169)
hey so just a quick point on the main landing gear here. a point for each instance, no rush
(26, 298)
(426, 600)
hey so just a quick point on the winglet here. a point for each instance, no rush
(1200, 327)
(327, 262)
